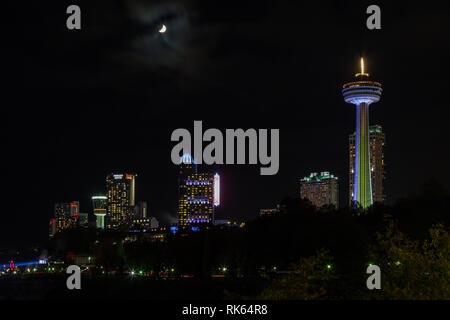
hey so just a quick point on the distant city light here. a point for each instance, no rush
(12, 264)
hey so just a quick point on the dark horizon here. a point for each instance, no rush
(107, 98)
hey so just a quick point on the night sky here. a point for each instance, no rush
(106, 98)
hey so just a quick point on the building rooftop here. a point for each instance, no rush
(187, 159)
(314, 176)
(375, 128)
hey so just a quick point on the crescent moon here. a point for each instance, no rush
(163, 29)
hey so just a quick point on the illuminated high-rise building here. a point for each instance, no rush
(377, 140)
(120, 193)
(321, 189)
(362, 93)
(66, 215)
(100, 204)
(196, 193)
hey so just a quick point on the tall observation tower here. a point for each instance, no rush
(362, 92)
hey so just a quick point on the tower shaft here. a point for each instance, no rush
(362, 93)
(362, 193)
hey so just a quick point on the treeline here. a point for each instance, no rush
(344, 241)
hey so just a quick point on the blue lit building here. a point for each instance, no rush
(195, 194)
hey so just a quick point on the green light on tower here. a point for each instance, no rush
(362, 93)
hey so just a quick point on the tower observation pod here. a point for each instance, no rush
(99, 203)
(362, 93)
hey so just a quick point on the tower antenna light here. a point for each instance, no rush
(362, 73)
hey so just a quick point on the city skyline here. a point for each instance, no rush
(112, 108)
(197, 155)
(198, 192)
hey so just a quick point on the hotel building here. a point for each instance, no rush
(120, 193)
(321, 189)
(195, 190)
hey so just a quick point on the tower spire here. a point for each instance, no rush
(362, 73)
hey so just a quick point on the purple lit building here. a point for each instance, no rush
(196, 193)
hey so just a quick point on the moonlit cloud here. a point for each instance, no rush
(149, 45)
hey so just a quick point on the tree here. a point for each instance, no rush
(410, 269)
(308, 280)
